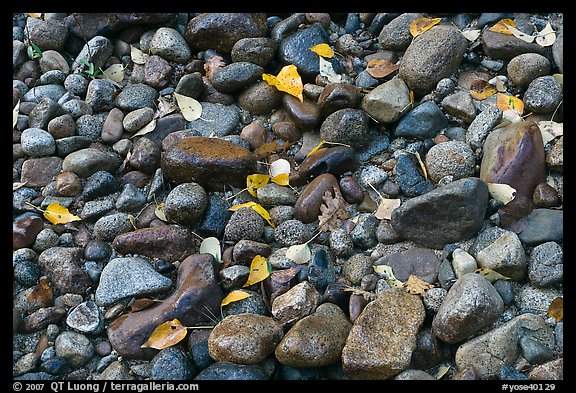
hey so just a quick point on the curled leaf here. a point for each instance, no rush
(550, 130)
(212, 65)
(547, 36)
(146, 129)
(380, 68)
(255, 181)
(471, 34)
(137, 56)
(299, 253)
(190, 108)
(166, 335)
(327, 71)
(259, 270)
(323, 50)
(58, 214)
(257, 208)
(502, 26)
(520, 34)
(234, 296)
(501, 192)
(287, 80)
(386, 271)
(420, 25)
(417, 286)
(211, 245)
(280, 172)
(115, 73)
(490, 275)
(159, 212)
(317, 147)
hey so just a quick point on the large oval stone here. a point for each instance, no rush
(307, 207)
(210, 162)
(335, 160)
(197, 296)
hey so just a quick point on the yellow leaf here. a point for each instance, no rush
(505, 102)
(159, 212)
(481, 89)
(190, 108)
(259, 270)
(255, 181)
(386, 271)
(490, 275)
(211, 245)
(287, 80)
(385, 208)
(556, 309)
(380, 68)
(422, 166)
(416, 286)
(501, 192)
(241, 205)
(411, 95)
(299, 253)
(318, 146)
(502, 26)
(282, 179)
(257, 208)
(547, 36)
(15, 113)
(58, 214)
(166, 335)
(280, 172)
(420, 25)
(137, 56)
(234, 296)
(323, 50)
(37, 15)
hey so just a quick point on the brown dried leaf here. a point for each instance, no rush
(267, 149)
(141, 304)
(416, 286)
(333, 211)
(556, 309)
(380, 68)
(212, 65)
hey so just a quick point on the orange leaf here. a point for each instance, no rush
(58, 214)
(166, 335)
(323, 50)
(501, 26)
(505, 102)
(234, 296)
(420, 25)
(556, 309)
(318, 146)
(259, 270)
(481, 89)
(287, 80)
(416, 286)
(380, 68)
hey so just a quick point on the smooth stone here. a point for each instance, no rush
(558, 51)
(196, 289)
(215, 217)
(48, 34)
(543, 95)
(393, 311)
(100, 183)
(321, 272)
(409, 178)
(482, 125)
(463, 263)
(339, 95)
(224, 371)
(451, 158)
(244, 338)
(460, 105)
(292, 232)
(387, 102)
(96, 51)
(431, 219)
(546, 196)
(37, 93)
(423, 122)
(471, 304)
(75, 347)
(136, 96)
(545, 264)
(299, 301)
(157, 72)
(543, 225)
(307, 206)
(244, 223)
(236, 76)
(414, 375)
(555, 156)
(43, 112)
(258, 50)
(99, 95)
(62, 126)
(432, 56)
(39, 172)
(334, 160)
(273, 194)
(131, 199)
(356, 267)
(316, 340)
(36, 142)
(524, 68)
(244, 251)
(136, 119)
(505, 47)
(62, 266)
(185, 204)
(294, 49)
(86, 318)
(348, 126)
(395, 35)
(85, 162)
(24, 231)
(41, 318)
(306, 114)
(420, 262)
(233, 277)
(169, 44)
(364, 233)
(250, 305)
(109, 226)
(260, 98)
(171, 364)
(210, 162)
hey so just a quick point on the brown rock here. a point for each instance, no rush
(210, 162)
(296, 303)
(24, 231)
(255, 134)
(62, 265)
(68, 184)
(336, 96)
(88, 25)
(169, 242)
(305, 114)
(38, 172)
(157, 72)
(260, 98)
(507, 46)
(145, 155)
(420, 262)
(112, 128)
(555, 157)
(546, 196)
(41, 318)
(286, 130)
(196, 298)
(307, 207)
(351, 189)
(245, 250)
(62, 126)
(335, 160)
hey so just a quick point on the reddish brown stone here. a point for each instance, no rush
(305, 114)
(307, 207)
(38, 172)
(62, 266)
(24, 231)
(41, 318)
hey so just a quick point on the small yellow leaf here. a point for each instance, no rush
(411, 95)
(190, 108)
(422, 166)
(58, 214)
(137, 56)
(502, 26)
(282, 179)
(501, 192)
(315, 149)
(37, 15)
(416, 286)
(166, 335)
(259, 270)
(132, 221)
(159, 211)
(481, 89)
(255, 181)
(234, 296)
(505, 102)
(420, 25)
(380, 68)
(257, 208)
(490, 275)
(441, 372)
(115, 73)
(241, 205)
(15, 113)
(385, 208)
(556, 309)
(323, 50)
(386, 271)
(287, 80)
(547, 36)
(211, 245)
(299, 253)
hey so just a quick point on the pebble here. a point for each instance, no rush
(74, 347)
(99, 95)
(424, 121)
(294, 49)
(409, 179)
(136, 96)
(257, 50)
(545, 264)
(543, 95)
(460, 105)
(292, 232)
(235, 76)
(526, 67)
(185, 204)
(543, 225)
(221, 371)
(364, 233)
(86, 318)
(420, 262)
(171, 364)
(299, 301)
(452, 158)
(387, 102)
(37, 142)
(62, 265)
(348, 126)
(244, 223)
(169, 44)
(273, 194)
(395, 35)
(85, 162)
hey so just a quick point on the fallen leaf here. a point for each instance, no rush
(41, 294)
(257, 208)
(490, 275)
(505, 102)
(15, 113)
(420, 25)
(299, 253)
(58, 214)
(323, 50)
(502, 26)
(190, 108)
(441, 372)
(141, 304)
(266, 149)
(146, 129)
(165, 107)
(411, 96)
(255, 181)
(333, 211)
(511, 116)
(287, 80)
(327, 71)
(234, 296)
(259, 270)
(166, 335)
(385, 208)
(547, 36)
(159, 212)
(115, 73)
(132, 221)
(380, 68)
(37, 15)
(422, 166)
(556, 309)
(280, 172)
(520, 34)
(317, 147)
(416, 286)
(481, 89)
(212, 65)
(550, 130)
(282, 179)
(499, 81)
(16, 185)
(471, 34)
(137, 56)
(501, 192)
(386, 271)
(211, 245)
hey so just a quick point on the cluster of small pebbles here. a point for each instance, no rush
(146, 200)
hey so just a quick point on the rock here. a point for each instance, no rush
(41, 318)
(37, 93)
(245, 250)
(131, 199)
(409, 179)
(236, 76)
(463, 263)
(535, 352)
(414, 375)
(116, 370)
(292, 232)
(388, 102)
(96, 51)
(433, 55)
(39, 172)
(335, 160)
(305, 115)
(108, 227)
(62, 126)
(62, 266)
(244, 338)
(86, 318)
(210, 162)
(558, 51)
(549, 371)
(524, 68)
(46, 34)
(75, 347)
(364, 233)
(76, 84)
(335, 96)
(307, 206)
(170, 45)
(500, 250)
(450, 158)
(545, 264)
(99, 95)
(100, 183)
(481, 126)
(356, 267)
(471, 304)
(43, 112)
(136, 96)
(393, 311)
(250, 305)
(543, 225)
(222, 371)
(257, 50)
(136, 119)
(196, 287)
(171, 364)
(24, 231)
(36, 142)
(244, 223)
(233, 277)
(505, 47)
(348, 126)
(260, 98)
(321, 272)
(489, 351)
(168, 242)
(543, 95)
(137, 276)
(395, 35)
(546, 196)
(431, 219)
(420, 262)
(422, 122)
(186, 204)
(215, 217)
(85, 162)
(460, 105)
(298, 302)
(294, 49)
(316, 340)
(273, 194)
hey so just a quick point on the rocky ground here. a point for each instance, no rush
(147, 186)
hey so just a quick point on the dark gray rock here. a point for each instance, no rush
(422, 122)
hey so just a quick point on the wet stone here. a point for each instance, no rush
(422, 122)
(420, 262)
(348, 126)
(62, 266)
